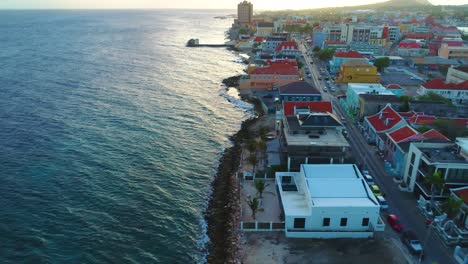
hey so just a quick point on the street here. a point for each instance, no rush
(402, 204)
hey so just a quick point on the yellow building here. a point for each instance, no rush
(358, 72)
(265, 29)
(378, 41)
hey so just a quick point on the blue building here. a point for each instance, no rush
(319, 36)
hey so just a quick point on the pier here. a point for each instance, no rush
(195, 43)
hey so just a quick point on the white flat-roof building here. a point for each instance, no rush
(328, 201)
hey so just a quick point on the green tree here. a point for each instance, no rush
(423, 129)
(253, 160)
(405, 107)
(316, 49)
(243, 31)
(252, 146)
(450, 128)
(452, 206)
(253, 204)
(316, 24)
(443, 69)
(431, 96)
(260, 185)
(382, 63)
(436, 181)
(326, 54)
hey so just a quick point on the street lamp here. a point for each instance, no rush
(431, 225)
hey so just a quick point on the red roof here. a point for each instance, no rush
(288, 107)
(349, 54)
(403, 133)
(393, 86)
(288, 46)
(463, 194)
(259, 39)
(440, 84)
(435, 134)
(409, 45)
(334, 42)
(407, 114)
(385, 119)
(422, 120)
(281, 68)
(419, 35)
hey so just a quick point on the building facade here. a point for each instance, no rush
(328, 201)
(457, 74)
(448, 159)
(244, 13)
(357, 72)
(453, 52)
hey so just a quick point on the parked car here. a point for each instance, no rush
(383, 203)
(369, 179)
(376, 190)
(309, 76)
(320, 78)
(394, 223)
(410, 239)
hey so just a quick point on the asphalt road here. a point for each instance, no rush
(404, 205)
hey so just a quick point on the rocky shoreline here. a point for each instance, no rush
(223, 212)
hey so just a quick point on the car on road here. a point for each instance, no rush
(369, 179)
(383, 203)
(394, 223)
(320, 78)
(326, 78)
(309, 76)
(376, 190)
(343, 120)
(411, 241)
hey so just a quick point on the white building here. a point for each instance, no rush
(457, 74)
(456, 92)
(449, 159)
(328, 201)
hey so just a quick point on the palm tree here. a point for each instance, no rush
(452, 206)
(252, 146)
(260, 186)
(253, 161)
(261, 145)
(253, 204)
(263, 133)
(436, 181)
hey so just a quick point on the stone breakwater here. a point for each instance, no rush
(223, 212)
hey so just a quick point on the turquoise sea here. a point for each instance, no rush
(110, 132)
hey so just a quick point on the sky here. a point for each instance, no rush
(204, 4)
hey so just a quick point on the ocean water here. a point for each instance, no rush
(110, 132)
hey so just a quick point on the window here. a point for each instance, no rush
(413, 157)
(326, 221)
(344, 221)
(365, 221)
(299, 222)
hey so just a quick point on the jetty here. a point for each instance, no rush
(196, 43)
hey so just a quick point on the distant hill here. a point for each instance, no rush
(396, 3)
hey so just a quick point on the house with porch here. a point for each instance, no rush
(343, 56)
(456, 92)
(289, 48)
(273, 75)
(328, 201)
(299, 92)
(308, 136)
(387, 120)
(448, 159)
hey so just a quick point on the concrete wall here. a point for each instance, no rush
(314, 222)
